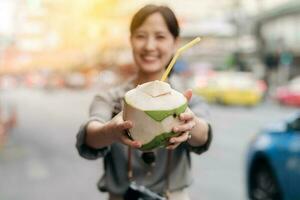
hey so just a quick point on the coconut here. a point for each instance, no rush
(154, 109)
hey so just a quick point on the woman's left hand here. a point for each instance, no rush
(183, 130)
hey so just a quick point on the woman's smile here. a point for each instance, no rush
(150, 58)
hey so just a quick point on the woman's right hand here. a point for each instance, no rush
(118, 127)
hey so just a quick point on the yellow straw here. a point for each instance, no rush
(178, 52)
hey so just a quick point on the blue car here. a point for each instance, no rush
(273, 162)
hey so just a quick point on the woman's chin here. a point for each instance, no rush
(151, 67)
(151, 70)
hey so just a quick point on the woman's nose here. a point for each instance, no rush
(150, 44)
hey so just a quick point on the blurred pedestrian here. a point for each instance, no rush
(271, 61)
(286, 61)
(6, 124)
(154, 38)
(239, 62)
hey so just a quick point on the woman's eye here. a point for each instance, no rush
(160, 37)
(139, 36)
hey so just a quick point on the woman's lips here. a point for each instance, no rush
(149, 58)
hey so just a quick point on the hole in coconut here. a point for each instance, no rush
(174, 115)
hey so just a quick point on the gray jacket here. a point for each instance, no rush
(114, 180)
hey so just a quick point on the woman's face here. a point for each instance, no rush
(152, 44)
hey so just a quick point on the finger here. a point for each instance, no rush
(124, 125)
(125, 140)
(181, 138)
(184, 127)
(172, 146)
(186, 116)
(188, 94)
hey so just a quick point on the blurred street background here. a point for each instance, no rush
(55, 55)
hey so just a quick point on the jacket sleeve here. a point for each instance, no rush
(203, 148)
(100, 110)
(86, 151)
(200, 109)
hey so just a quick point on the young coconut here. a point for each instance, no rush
(153, 107)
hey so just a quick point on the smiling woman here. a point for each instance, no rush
(154, 40)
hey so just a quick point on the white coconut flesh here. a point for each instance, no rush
(153, 107)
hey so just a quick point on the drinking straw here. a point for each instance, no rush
(178, 52)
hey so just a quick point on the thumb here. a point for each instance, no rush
(188, 94)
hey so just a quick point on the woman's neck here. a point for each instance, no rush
(143, 78)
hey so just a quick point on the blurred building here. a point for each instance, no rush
(63, 35)
(75, 34)
(278, 30)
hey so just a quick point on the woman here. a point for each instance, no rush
(154, 39)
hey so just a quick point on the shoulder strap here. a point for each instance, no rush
(130, 174)
(167, 173)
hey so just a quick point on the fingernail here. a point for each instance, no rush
(175, 129)
(172, 140)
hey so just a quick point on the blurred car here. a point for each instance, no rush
(232, 88)
(54, 81)
(76, 80)
(289, 94)
(34, 80)
(273, 162)
(8, 82)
